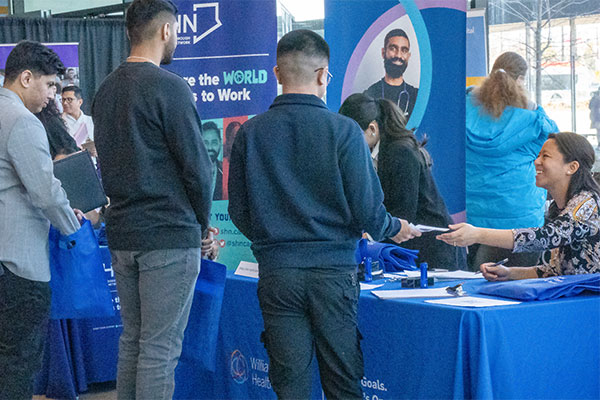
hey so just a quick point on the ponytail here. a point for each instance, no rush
(501, 89)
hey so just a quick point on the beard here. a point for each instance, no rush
(168, 54)
(214, 156)
(394, 70)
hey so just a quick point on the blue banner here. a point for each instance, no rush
(226, 52)
(434, 74)
(477, 59)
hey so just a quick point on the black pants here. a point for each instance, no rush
(307, 310)
(24, 308)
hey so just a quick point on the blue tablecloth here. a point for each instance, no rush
(417, 350)
(79, 352)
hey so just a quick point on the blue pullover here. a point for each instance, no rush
(302, 186)
(501, 190)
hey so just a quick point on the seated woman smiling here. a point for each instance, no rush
(572, 227)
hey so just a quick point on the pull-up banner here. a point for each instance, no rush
(226, 53)
(429, 36)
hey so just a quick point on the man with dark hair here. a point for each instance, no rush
(303, 194)
(80, 126)
(214, 145)
(30, 198)
(157, 173)
(395, 54)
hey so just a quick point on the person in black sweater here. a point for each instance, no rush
(302, 189)
(404, 169)
(157, 173)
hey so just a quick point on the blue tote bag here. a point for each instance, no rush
(200, 337)
(543, 288)
(78, 281)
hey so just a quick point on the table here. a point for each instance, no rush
(417, 350)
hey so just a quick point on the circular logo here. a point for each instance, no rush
(238, 367)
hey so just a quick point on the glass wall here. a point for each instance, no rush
(561, 41)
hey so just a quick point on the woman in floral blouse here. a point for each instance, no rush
(572, 228)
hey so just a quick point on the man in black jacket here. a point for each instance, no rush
(157, 173)
(302, 189)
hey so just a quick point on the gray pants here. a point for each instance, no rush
(155, 290)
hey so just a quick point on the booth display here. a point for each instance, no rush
(417, 350)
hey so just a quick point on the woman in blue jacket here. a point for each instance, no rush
(505, 132)
(404, 170)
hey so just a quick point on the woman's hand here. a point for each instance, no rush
(495, 273)
(461, 235)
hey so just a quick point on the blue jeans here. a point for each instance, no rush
(24, 309)
(155, 290)
(308, 311)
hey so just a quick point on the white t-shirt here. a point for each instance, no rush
(80, 129)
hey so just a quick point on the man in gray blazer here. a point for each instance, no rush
(30, 199)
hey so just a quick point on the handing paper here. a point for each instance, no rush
(427, 228)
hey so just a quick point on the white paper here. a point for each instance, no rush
(411, 293)
(248, 269)
(394, 275)
(455, 275)
(427, 228)
(369, 286)
(469, 301)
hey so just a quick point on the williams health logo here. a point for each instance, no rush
(238, 367)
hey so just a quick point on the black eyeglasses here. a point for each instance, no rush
(329, 76)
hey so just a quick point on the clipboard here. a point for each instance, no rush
(79, 179)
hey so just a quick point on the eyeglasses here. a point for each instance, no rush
(329, 76)
(68, 100)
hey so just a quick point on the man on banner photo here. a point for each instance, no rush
(211, 135)
(30, 199)
(395, 54)
(157, 173)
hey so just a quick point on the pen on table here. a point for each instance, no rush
(501, 262)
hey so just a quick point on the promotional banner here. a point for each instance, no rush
(477, 57)
(68, 53)
(226, 53)
(430, 36)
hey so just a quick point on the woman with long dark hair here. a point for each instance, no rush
(572, 227)
(59, 140)
(404, 169)
(505, 132)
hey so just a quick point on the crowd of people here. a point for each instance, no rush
(303, 200)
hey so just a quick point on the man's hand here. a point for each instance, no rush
(210, 247)
(407, 232)
(90, 146)
(79, 214)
